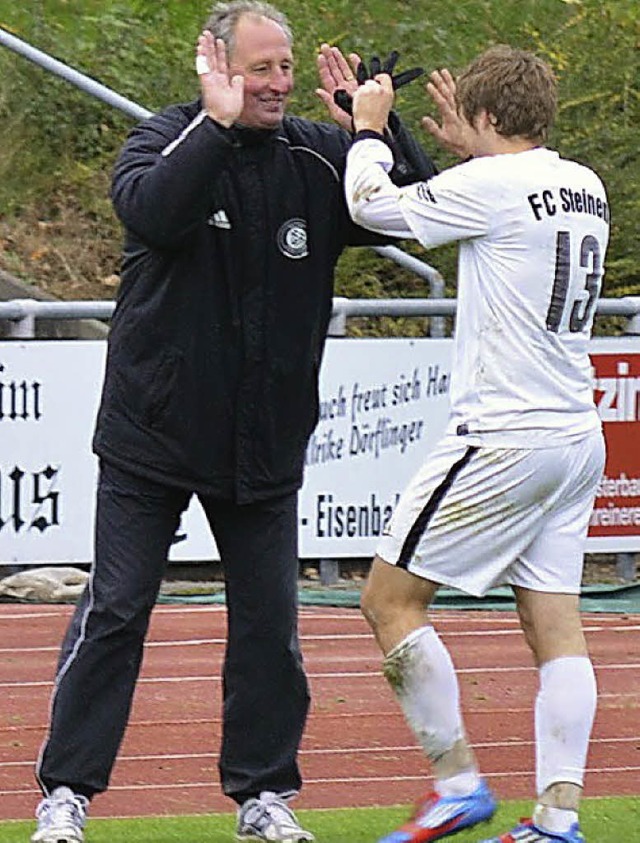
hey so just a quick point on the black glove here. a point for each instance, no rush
(344, 100)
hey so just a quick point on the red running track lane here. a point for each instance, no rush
(357, 749)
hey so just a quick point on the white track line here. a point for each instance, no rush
(357, 750)
(337, 638)
(382, 715)
(443, 615)
(332, 781)
(363, 674)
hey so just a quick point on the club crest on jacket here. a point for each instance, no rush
(292, 238)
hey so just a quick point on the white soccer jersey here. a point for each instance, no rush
(533, 231)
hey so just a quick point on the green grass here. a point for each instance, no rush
(603, 821)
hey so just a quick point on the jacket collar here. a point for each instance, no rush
(253, 137)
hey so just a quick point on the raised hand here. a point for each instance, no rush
(337, 74)
(453, 131)
(222, 98)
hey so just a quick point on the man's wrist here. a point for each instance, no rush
(369, 134)
(223, 124)
(365, 126)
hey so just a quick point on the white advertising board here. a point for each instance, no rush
(384, 403)
(49, 395)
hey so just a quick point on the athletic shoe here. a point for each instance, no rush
(527, 832)
(269, 818)
(61, 817)
(439, 816)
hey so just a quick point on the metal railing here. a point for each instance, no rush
(21, 314)
(75, 77)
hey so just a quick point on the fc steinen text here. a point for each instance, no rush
(356, 423)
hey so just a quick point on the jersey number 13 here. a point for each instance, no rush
(583, 304)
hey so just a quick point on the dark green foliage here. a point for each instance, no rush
(144, 50)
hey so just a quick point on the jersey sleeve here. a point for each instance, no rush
(372, 198)
(454, 205)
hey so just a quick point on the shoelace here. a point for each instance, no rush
(67, 812)
(273, 807)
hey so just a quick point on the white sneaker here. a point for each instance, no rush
(270, 818)
(61, 817)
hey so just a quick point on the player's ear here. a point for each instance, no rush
(483, 119)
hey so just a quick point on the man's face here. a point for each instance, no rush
(262, 54)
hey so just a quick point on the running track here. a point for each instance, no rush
(357, 750)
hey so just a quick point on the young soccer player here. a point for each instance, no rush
(506, 495)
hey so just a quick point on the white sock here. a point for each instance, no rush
(555, 820)
(421, 673)
(564, 712)
(459, 785)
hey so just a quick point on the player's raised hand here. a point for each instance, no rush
(222, 98)
(337, 74)
(452, 132)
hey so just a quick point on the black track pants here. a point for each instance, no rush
(265, 690)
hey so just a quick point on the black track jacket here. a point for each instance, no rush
(232, 237)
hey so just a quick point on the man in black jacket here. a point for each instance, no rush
(235, 218)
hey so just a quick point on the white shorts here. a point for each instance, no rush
(473, 518)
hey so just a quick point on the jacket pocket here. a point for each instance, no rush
(161, 396)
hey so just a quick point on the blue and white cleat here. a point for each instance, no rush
(439, 816)
(527, 832)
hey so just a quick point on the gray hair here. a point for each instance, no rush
(224, 18)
